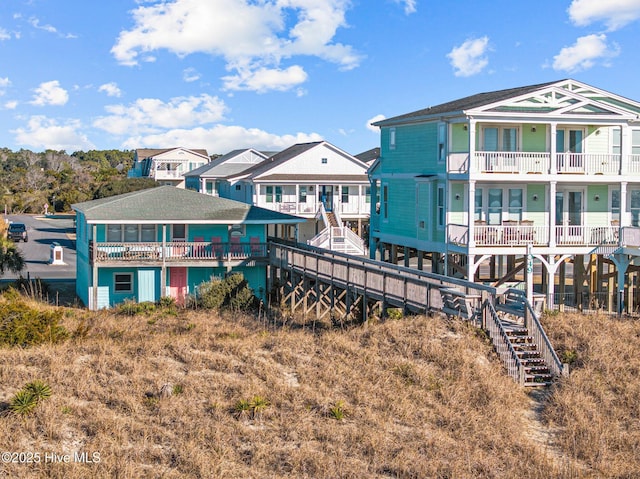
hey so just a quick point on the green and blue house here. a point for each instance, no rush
(549, 171)
(166, 241)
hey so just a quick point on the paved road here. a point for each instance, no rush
(43, 232)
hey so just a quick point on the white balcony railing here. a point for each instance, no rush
(538, 235)
(543, 163)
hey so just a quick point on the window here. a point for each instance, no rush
(442, 138)
(114, 233)
(123, 282)
(324, 161)
(440, 206)
(515, 204)
(269, 194)
(495, 206)
(179, 232)
(209, 187)
(385, 202)
(635, 207)
(130, 233)
(500, 139)
(616, 141)
(478, 204)
(635, 142)
(345, 194)
(302, 194)
(392, 138)
(615, 205)
(237, 230)
(148, 233)
(367, 195)
(278, 194)
(238, 187)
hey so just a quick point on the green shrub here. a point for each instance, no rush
(129, 307)
(232, 292)
(24, 325)
(25, 401)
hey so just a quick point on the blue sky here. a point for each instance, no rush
(226, 74)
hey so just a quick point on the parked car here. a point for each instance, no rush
(17, 232)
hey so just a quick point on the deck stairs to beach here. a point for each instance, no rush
(536, 371)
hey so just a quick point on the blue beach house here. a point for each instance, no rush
(165, 241)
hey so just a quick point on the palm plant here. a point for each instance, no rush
(11, 258)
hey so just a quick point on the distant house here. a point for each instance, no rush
(317, 181)
(210, 178)
(166, 241)
(167, 166)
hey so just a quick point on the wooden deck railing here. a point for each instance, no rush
(152, 252)
(502, 345)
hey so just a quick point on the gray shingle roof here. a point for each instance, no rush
(280, 157)
(174, 205)
(143, 153)
(467, 103)
(221, 168)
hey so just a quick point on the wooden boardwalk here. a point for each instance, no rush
(316, 282)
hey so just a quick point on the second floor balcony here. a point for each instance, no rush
(522, 162)
(156, 253)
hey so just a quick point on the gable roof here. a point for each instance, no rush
(558, 97)
(369, 156)
(143, 153)
(224, 166)
(288, 154)
(167, 204)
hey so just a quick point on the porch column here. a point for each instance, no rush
(625, 215)
(625, 149)
(552, 214)
(163, 268)
(551, 285)
(553, 167)
(94, 278)
(256, 195)
(472, 145)
(297, 202)
(471, 208)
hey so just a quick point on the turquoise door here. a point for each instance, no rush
(146, 285)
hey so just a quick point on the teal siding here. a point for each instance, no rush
(415, 152)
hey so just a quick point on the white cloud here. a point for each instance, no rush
(251, 36)
(4, 83)
(264, 79)
(410, 6)
(111, 89)
(469, 58)
(4, 35)
(190, 75)
(376, 118)
(583, 54)
(50, 93)
(614, 13)
(11, 105)
(150, 115)
(220, 139)
(35, 23)
(46, 133)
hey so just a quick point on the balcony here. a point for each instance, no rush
(544, 163)
(524, 233)
(175, 252)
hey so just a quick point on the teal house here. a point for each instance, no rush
(486, 187)
(166, 241)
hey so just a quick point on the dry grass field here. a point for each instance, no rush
(194, 394)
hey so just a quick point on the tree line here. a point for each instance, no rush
(29, 181)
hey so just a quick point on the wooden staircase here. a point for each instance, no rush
(333, 221)
(536, 372)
